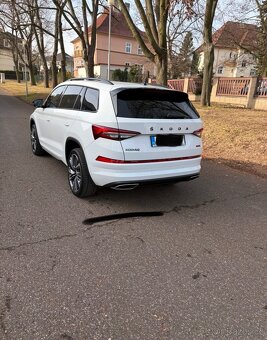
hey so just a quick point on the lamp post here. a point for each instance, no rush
(25, 69)
(110, 4)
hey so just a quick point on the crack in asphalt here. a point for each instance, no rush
(11, 248)
(195, 206)
(115, 217)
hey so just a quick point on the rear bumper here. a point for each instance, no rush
(110, 175)
(154, 181)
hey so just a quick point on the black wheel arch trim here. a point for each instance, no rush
(71, 139)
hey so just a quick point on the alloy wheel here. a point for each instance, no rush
(33, 138)
(75, 175)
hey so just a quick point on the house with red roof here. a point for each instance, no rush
(125, 50)
(234, 44)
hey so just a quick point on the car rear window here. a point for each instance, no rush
(70, 96)
(154, 104)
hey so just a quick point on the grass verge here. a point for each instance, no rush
(236, 137)
(19, 90)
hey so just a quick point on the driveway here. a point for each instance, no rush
(195, 272)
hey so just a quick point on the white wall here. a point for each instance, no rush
(6, 60)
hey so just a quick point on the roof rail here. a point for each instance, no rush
(105, 81)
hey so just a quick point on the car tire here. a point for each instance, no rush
(80, 181)
(37, 149)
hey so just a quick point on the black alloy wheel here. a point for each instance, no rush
(80, 181)
(35, 144)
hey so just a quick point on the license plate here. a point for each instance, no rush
(166, 140)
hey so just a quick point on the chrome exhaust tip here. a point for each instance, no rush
(125, 186)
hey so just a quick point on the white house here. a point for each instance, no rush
(6, 58)
(233, 43)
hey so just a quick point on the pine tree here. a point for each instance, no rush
(184, 57)
(195, 62)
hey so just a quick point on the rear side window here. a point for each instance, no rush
(70, 97)
(154, 104)
(54, 99)
(90, 100)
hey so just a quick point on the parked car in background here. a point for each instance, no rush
(118, 135)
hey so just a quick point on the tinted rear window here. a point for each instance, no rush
(70, 96)
(90, 101)
(154, 104)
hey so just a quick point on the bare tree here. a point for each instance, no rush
(81, 28)
(208, 52)
(262, 50)
(182, 19)
(154, 17)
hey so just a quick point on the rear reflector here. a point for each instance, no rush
(119, 161)
(198, 133)
(111, 133)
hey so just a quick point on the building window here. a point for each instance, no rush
(253, 72)
(127, 64)
(128, 47)
(6, 43)
(244, 63)
(220, 70)
(139, 50)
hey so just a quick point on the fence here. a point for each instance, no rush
(261, 88)
(233, 86)
(195, 85)
(176, 84)
(245, 92)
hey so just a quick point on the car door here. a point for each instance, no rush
(63, 117)
(45, 118)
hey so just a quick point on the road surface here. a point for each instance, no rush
(196, 272)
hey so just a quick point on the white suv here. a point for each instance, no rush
(118, 135)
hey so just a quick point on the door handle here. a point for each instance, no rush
(67, 124)
(48, 120)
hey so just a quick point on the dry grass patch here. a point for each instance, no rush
(19, 90)
(236, 136)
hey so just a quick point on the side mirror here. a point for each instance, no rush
(38, 103)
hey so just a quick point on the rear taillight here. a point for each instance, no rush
(111, 133)
(198, 133)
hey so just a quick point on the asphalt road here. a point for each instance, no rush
(197, 272)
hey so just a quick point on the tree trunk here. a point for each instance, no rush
(31, 73)
(91, 65)
(161, 66)
(62, 46)
(46, 76)
(207, 75)
(30, 65)
(54, 56)
(16, 63)
(208, 52)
